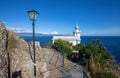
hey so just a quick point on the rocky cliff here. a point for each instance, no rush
(3, 52)
(16, 56)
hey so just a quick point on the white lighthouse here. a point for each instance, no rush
(76, 32)
(75, 39)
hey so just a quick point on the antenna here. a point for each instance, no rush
(77, 21)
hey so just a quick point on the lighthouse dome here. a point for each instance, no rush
(76, 27)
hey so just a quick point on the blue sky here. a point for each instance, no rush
(95, 17)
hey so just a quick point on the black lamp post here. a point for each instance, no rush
(33, 16)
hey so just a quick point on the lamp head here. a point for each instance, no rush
(33, 15)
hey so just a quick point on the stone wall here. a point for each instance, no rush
(3, 52)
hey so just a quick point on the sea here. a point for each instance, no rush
(112, 43)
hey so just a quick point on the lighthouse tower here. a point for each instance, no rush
(76, 32)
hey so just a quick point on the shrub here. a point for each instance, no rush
(63, 46)
(12, 42)
(104, 74)
(79, 47)
(99, 59)
(48, 45)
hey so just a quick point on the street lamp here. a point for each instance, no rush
(33, 16)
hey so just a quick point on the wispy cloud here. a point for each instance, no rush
(54, 32)
(18, 30)
(22, 30)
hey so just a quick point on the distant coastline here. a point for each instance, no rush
(39, 34)
(36, 34)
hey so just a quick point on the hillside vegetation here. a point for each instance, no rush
(94, 55)
(65, 46)
(12, 41)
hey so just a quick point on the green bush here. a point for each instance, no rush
(79, 47)
(48, 45)
(104, 74)
(63, 46)
(101, 59)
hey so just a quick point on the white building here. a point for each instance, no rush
(75, 39)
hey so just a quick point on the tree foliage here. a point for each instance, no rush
(99, 52)
(105, 74)
(99, 59)
(95, 53)
(62, 45)
(79, 47)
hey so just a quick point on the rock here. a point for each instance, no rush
(3, 52)
(69, 70)
(21, 64)
(21, 58)
(41, 63)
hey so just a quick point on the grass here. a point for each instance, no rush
(12, 42)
